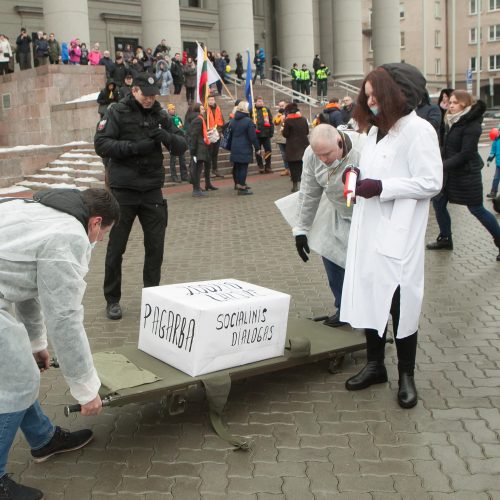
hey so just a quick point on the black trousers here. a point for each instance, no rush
(153, 218)
(295, 170)
(177, 88)
(214, 155)
(190, 94)
(196, 168)
(406, 348)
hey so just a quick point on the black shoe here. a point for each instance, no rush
(441, 243)
(244, 192)
(10, 490)
(114, 311)
(373, 373)
(407, 393)
(61, 442)
(334, 321)
(211, 187)
(491, 195)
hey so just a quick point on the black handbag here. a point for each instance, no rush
(227, 137)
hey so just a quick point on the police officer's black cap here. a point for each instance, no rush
(147, 83)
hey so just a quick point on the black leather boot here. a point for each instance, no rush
(407, 393)
(441, 243)
(373, 373)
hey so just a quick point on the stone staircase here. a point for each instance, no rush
(81, 168)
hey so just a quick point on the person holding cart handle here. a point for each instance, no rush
(44, 256)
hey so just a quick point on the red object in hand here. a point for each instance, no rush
(350, 177)
(494, 133)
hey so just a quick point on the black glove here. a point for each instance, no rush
(490, 159)
(160, 135)
(368, 188)
(302, 246)
(344, 174)
(142, 147)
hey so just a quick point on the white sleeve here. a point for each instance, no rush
(426, 168)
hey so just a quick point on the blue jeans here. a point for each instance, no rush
(37, 429)
(335, 276)
(496, 180)
(282, 151)
(487, 219)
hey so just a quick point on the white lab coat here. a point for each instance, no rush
(386, 240)
(44, 256)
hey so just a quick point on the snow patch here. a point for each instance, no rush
(34, 184)
(13, 189)
(84, 98)
(13, 149)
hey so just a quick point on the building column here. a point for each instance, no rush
(236, 29)
(68, 20)
(326, 35)
(295, 32)
(386, 41)
(161, 19)
(347, 39)
(316, 27)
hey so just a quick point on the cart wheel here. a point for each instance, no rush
(335, 364)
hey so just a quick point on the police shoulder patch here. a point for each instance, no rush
(101, 125)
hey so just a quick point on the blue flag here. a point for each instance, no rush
(248, 84)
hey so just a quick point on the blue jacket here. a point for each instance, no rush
(495, 151)
(244, 139)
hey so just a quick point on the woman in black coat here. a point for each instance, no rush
(296, 131)
(243, 142)
(462, 183)
(198, 148)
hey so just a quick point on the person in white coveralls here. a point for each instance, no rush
(44, 256)
(400, 171)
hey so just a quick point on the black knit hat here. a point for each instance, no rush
(410, 80)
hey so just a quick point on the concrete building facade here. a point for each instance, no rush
(352, 36)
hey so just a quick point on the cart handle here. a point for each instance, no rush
(69, 409)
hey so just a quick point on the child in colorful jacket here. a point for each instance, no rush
(494, 154)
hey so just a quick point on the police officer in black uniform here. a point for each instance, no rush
(131, 135)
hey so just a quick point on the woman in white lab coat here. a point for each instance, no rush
(400, 171)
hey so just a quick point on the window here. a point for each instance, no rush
(437, 9)
(437, 66)
(494, 5)
(494, 33)
(472, 64)
(401, 11)
(494, 63)
(190, 3)
(437, 38)
(402, 33)
(473, 36)
(473, 5)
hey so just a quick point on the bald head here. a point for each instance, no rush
(326, 143)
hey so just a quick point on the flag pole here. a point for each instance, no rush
(227, 90)
(254, 116)
(205, 103)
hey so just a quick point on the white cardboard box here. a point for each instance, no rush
(207, 326)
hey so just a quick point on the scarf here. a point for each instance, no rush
(332, 105)
(291, 116)
(206, 140)
(265, 116)
(214, 120)
(452, 119)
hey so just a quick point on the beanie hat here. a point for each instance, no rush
(410, 80)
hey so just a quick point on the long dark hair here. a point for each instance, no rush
(390, 98)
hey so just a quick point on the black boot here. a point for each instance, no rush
(492, 195)
(373, 373)
(497, 243)
(441, 243)
(10, 490)
(407, 393)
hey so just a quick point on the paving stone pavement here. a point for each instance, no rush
(311, 438)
